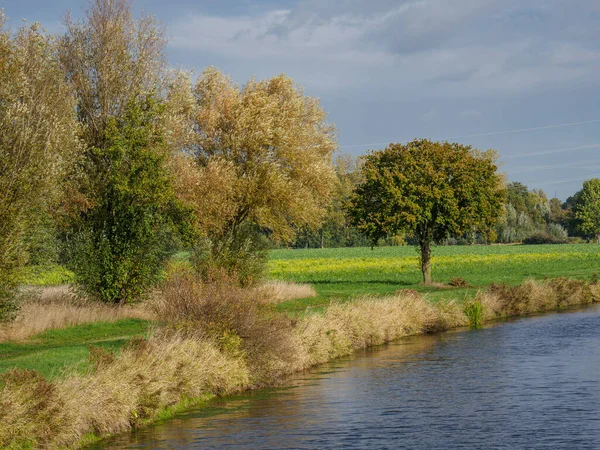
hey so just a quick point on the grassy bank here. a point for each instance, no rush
(198, 358)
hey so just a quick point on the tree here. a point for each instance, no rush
(558, 213)
(270, 149)
(336, 229)
(121, 240)
(433, 190)
(586, 209)
(122, 207)
(37, 142)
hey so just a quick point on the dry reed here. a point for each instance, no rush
(283, 291)
(58, 307)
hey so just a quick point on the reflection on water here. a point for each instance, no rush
(531, 383)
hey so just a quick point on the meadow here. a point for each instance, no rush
(344, 273)
(341, 274)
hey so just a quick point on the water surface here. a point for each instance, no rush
(531, 383)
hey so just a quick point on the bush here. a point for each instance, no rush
(543, 238)
(9, 305)
(232, 316)
(558, 231)
(242, 255)
(119, 237)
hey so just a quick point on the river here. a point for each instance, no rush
(529, 383)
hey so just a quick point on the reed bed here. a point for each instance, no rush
(283, 291)
(58, 307)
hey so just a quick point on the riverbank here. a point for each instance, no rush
(151, 379)
(519, 383)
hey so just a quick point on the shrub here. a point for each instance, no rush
(543, 237)
(474, 312)
(558, 231)
(9, 305)
(224, 312)
(242, 255)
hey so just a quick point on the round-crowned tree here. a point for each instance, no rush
(433, 190)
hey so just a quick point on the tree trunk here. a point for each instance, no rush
(598, 238)
(426, 261)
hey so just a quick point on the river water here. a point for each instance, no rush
(531, 383)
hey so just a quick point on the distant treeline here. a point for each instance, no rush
(528, 217)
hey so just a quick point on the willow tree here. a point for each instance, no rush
(123, 207)
(37, 140)
(434, 190)
(271, 149)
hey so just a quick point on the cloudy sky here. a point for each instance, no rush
(519, 76)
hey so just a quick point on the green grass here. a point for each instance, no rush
(347, 272)
(53, 351)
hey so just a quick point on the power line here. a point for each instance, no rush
(566, 180)
(491, 133)
(555, 166)
(550, 152)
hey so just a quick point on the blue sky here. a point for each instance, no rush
(392, 70)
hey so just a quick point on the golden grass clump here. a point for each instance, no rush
(127, 390)
(283, 291)
(236, 319)
(533, 297)
(58, 307)
(345, 328)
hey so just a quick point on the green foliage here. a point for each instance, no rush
(515, 226)
(586, 209)
(41, 238)
(119, 239)
(9, 304)
(46, 275)
(474, 312)
(430, 189)
(241, 255)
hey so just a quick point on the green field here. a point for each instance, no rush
(347, 272)
(336, 274)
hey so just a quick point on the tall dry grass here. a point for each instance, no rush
(220, 339)
(58, 307)
(532, 297)
(118, 393)
(283, 291)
